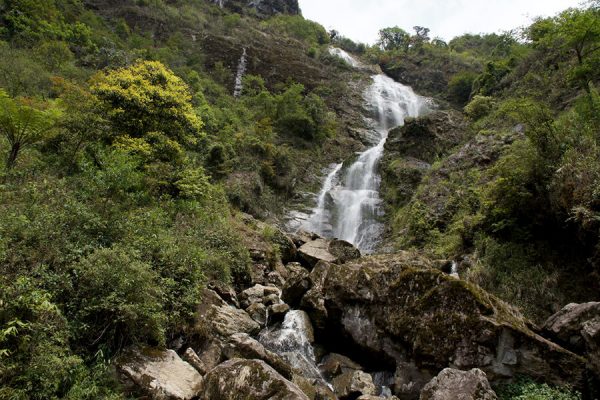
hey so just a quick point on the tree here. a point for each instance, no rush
(394, 38)
(150, 109)
(575, 31)
(24, 123)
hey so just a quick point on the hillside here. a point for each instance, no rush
(153, 153)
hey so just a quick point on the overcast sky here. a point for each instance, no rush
(360, 20)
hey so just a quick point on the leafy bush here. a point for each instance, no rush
(297, 27)
(479, 107)
(460, 87)
(116, 300)
(525, 389)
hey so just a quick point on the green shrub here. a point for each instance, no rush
(525, 389)
(460, 87)
(479, 107)
(116, 300)
(299, 28)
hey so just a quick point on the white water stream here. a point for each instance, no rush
(348, 206)
(239, 77)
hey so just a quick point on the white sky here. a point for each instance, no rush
(361, 20)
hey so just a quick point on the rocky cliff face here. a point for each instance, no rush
(263, 8)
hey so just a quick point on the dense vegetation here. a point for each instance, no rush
(526, 213)
(120, 152)
(125, 161)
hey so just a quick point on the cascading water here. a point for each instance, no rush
(292, 341)
(351, 209)
(241, 70)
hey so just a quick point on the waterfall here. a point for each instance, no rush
(319, 219)
(221, 3)
(241, 70)
(293, 341)
(334, 51)
(354, 212)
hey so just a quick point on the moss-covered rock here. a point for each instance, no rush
(399, 308)
(251, 380)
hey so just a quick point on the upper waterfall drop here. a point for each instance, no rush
(349, 206)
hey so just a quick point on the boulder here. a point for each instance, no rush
(313, 302)
(399, 309)
(333, 251)
(566, 325)
(453, 384)
(410, 379)
(276, 312)
(577, 326)
(161, 374)
(225, 292)
(191, 357)
(296, 285)
(352, 384)
(250, 380)
(258, 312)
(241, 345)
(217, 319)
(335, 364)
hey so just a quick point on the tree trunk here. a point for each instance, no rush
(12, 156)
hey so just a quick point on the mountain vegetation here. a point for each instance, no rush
(128, 167)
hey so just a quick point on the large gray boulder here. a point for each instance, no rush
(242, 345)
(333, 251)
(453, 384)
(160, 374)
(249, 380)
(577, 326)
(352, 384)
(217, 319)
(400, 309)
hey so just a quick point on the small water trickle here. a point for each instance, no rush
(334, 51)
(241, 70)
(454, 269)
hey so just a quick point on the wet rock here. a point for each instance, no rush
(369, 397)
(192, 358)
(453, 384)
(313, 301)
(277, 312)
(352, 384)
(250, 380)
(242, 345)
(161, 374)
(395, 306)
(335, 364)
(296, 285)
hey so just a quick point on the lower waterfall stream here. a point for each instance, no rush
(348, 206)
